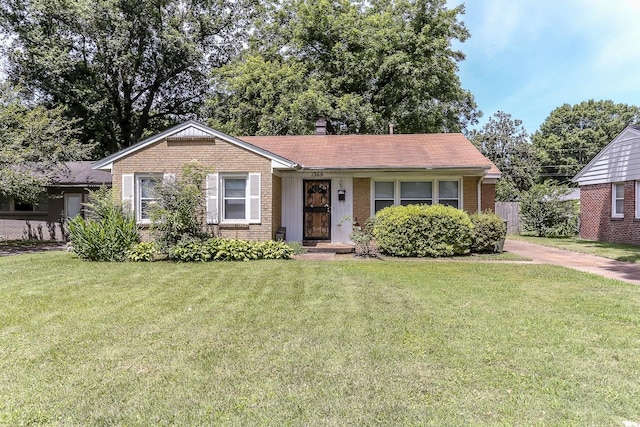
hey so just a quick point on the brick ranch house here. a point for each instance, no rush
(303, 186)
(610, 191)
(61, 200)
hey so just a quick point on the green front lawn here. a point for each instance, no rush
(617, 251)
(314, 343)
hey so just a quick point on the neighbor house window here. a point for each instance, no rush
(617, 200)
(5, 204)
(234, 198)
(638, 199)
(401, 192)
(8, 204)
(145, 196)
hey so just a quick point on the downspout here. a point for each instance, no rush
(480, 194)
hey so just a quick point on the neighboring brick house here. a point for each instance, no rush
(610, 191)
(60, 201)
(305, 184)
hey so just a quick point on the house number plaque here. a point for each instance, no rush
(317, 174)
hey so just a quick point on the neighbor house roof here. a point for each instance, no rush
(618, 161)
(397, 151)
(81, 174)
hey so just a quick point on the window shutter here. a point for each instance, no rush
(127, 192)
(212, 198)
(254, 198)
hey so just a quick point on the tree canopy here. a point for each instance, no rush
(34, 141)
(361, 65)
(573, 134)
(124, 68)
(505, 141)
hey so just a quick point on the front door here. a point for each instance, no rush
(317, 210)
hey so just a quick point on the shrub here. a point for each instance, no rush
(422, 230)
(107, 233)
(362, 235)
(545, 211)
(489, 231)
(222, 249)
(275, 250)
(143, 251)
(178, 211)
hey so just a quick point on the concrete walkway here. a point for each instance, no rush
(624, 271)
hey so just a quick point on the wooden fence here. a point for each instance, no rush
(510, 212)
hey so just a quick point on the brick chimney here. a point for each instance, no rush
(321, 126)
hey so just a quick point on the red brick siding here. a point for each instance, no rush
(488, 197)
(170, 156)
(596, 222)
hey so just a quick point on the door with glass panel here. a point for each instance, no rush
(317, 210)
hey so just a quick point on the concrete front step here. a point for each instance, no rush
(336, 248)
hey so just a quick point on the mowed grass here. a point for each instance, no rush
(314, 343)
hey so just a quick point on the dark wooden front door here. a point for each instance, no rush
(317, 210)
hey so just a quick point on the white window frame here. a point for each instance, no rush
(457, 199)
(138, 194)
(224, 198)
(397, 197)
(215, 195)
(424, 200)
(615, 199)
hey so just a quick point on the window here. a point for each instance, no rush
(5, 204)
(234, 196)
(617, 200)
(448, 193)
(144, 195)
(384, 195)
(416, 193)
(638, 199)
(8, 204)
(390, 193)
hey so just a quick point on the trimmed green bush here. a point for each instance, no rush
(107, 233)
(489, 232)
(422, 230)
(222, 249)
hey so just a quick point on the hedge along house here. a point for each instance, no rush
(307, 184)
(610, 191)
(61, 200)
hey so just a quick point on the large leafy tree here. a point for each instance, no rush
(34, 143)
(505, 141)
(573, 134)
(361, 65)
(125, 68)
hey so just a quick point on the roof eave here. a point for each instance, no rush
(107, 163)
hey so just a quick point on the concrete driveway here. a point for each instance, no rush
(624, 271)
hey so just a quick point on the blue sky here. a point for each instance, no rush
(528, 57)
